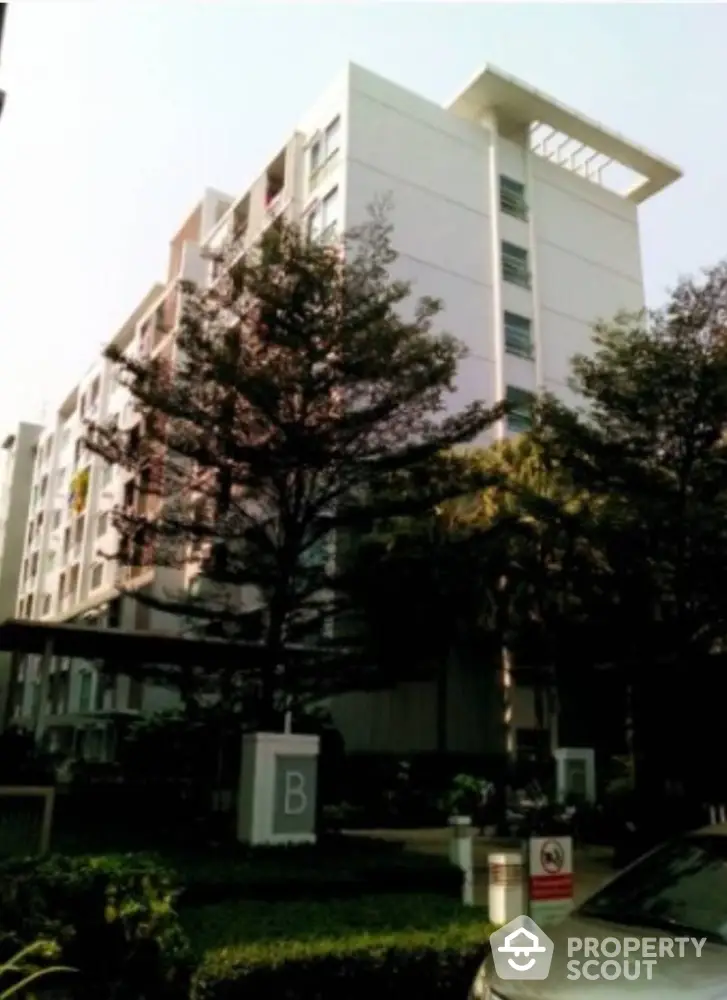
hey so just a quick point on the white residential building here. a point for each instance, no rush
(519, 213)
(17, 459)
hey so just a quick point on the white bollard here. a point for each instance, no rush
(722, 815)
(461, 854)
(507, 898)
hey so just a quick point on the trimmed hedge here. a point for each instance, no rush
(377, 946)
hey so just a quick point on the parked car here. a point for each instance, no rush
(676, 892)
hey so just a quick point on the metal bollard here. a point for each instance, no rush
(461, 854)
(506, 898)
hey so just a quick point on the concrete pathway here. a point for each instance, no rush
(592, 865)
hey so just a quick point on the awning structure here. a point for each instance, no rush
(89, 642)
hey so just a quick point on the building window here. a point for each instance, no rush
(108, 471)
(84, 691)
(512, 198)
(324, 217)
(518, 335)
(103, 523)
(56, 523)
(324, 149)
(515, 265)
(46, 604)
(520, 402)
(96, 576)
(136, 695)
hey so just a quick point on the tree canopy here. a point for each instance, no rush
(300, 384)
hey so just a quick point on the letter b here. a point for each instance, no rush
(296, 800)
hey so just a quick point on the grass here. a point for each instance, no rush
(243, 930)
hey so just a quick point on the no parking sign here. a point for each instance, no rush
(551, 878)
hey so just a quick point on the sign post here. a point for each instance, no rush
(277, 797)
(551, 878)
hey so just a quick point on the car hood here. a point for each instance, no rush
(698, 978)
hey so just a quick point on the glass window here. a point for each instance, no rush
(515, 265)
(518, 335)
(332, 138)
(521, 402)
(512, 198)
(84, 693)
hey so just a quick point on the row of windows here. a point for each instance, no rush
(518, 329)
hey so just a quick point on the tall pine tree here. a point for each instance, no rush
(299, 383)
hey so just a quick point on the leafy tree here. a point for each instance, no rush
(302, 381)
(505, 571)
(650, 442)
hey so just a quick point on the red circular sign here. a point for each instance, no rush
(552, 857)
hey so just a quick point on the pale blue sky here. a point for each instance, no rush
(119, 114)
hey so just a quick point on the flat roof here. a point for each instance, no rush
(492, 90)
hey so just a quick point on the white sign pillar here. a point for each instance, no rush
(278, 789)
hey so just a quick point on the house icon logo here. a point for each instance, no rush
(521, 950)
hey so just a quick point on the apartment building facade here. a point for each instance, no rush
(504, 204)
(67, 573)
(17, 459)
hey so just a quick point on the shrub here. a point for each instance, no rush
(112, 917)
(375, 946)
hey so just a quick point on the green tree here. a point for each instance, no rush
(502, 573)
(650, 442)
(303, 379)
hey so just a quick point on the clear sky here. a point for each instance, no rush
(119, 114)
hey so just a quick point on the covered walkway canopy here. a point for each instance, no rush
(89, 642)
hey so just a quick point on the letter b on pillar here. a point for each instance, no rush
(295, 796)
(296, 799)
(278, 788)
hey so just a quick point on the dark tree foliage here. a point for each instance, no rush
(302, 384)
(508, 564)
(651, 443)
